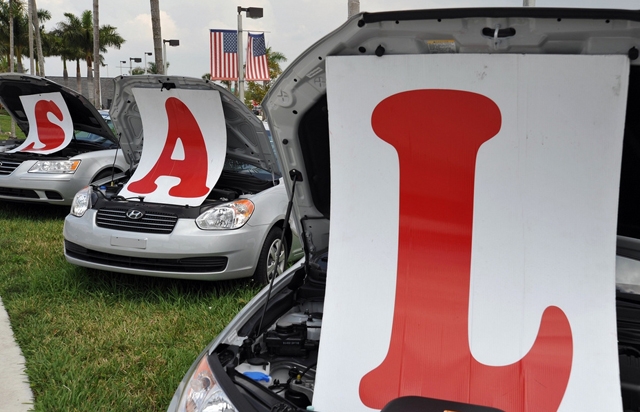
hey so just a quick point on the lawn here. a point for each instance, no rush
(5, 126)
(100, 341)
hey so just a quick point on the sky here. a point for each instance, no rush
(290, 26)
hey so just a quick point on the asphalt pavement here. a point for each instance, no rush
(15, 392)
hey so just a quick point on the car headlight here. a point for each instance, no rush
(55, 166)
(81, 202)
(203, 393)
(232, 215)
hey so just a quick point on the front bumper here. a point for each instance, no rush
(23, 186)
(186, 253)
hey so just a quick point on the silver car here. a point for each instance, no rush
(460, 178)
(233, 231)
(90, 155)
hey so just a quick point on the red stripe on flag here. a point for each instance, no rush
(257, 67)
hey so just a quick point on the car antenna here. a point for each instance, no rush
(295, 176)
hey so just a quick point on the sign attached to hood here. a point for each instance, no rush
(493, 281)
(50, 124)
(184, 147)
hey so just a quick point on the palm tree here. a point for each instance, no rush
(20, 23)
(54, 45)
(12, 14)
(274, 59)
(153, 68)
(78, 32)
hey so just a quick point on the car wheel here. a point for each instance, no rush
(267, 260)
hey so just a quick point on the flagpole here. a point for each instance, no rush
(240, 71)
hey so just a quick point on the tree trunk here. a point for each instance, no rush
(32, 67)
(89, 60)
(36, 23)
(19, 66)
(78, 77)
(157, 35)
(11, 51)
(11, 48)
(65, 72)
(96, 55)
(353, 7)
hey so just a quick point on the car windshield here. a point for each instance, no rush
(94, 139)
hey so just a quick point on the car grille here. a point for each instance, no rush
(186, 265)
(151, 222)
(8, 166)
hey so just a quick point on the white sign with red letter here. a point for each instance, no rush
(185, 144)
(50, 124)
(479, 266)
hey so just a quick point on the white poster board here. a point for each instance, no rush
(185, 144)
(480, 265)
(50, 124)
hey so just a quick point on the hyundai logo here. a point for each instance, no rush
(135, 214)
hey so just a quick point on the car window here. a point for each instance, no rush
(110, 124)
(92, 138)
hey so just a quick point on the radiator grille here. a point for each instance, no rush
(151, 222)
(8, 166)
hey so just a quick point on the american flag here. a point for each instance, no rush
(224, 55)
(257, 67)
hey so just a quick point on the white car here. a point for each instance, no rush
(213, 203)
(82, 147)
(471, 243)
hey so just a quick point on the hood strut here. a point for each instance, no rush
(295, 176)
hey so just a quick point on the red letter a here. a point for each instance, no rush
(192, 171)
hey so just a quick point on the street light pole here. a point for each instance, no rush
(121, 63)
(145, 61)
(135, 59)
(240, 62)
(172, 43)
(252, 13)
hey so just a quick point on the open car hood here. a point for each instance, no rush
(84, 115)
(246, 137)
(296, 106)
(370, 122)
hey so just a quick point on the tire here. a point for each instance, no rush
(266, 260)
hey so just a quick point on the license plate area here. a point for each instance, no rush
(129, 242)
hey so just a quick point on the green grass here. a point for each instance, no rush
(100, 341)
(5, 126)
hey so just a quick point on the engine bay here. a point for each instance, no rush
(231, 185)
(274, 367)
